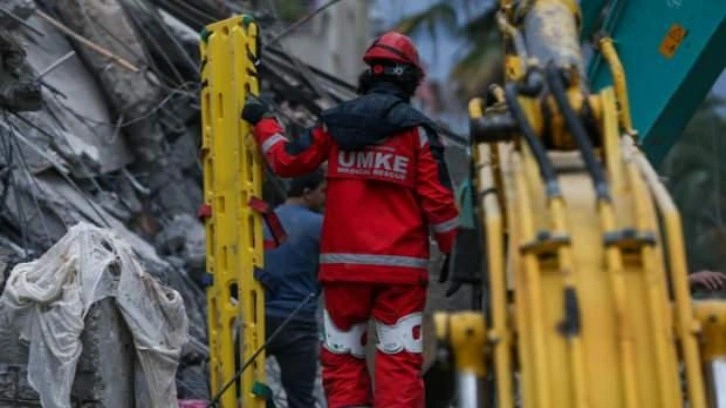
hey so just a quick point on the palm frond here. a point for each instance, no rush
(482, 25)
(441, 13)
(481, 64)
(480, 67)
(697, 183)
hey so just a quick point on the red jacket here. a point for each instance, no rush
(381, 201)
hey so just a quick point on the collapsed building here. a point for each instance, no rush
(100, 125)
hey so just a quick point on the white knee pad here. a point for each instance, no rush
(394, 338)
(344, 342)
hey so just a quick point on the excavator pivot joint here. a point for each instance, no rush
(546, 243)
(629, 239)
(493, 127)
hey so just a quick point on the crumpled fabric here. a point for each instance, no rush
(47, 300)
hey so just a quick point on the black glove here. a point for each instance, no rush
(255, 110)
(444, 273)
(457, 281)
(454, 284)
(466, 266)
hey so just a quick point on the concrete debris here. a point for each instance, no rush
(196, 13)
(102, 373)
(13, 12)
(132, 94)
(18, 90)
(184, 238)
(169, 189)
(88, 118)
(184, 34)
(168, 39)
(45, 302)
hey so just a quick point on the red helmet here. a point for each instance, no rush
(393, 46)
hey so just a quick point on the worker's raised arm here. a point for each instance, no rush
(287, 158)
(433, 185)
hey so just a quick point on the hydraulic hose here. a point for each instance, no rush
(552, 187)
(557, 88)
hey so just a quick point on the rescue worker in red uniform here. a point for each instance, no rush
(388, 186)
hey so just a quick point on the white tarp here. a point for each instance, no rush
(47, 300)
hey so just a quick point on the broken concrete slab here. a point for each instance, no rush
(63, 204)
(184, 237)
(12, 12)
(87, 118)
(41, 220)
(132, 93)
(18, 89)
(26, 143)
(169, 189)
(167, 44)
(89, 265)
(105, 371)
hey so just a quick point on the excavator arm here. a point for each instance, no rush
(588, 302)
(672, 52)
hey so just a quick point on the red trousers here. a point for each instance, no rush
(396, 310)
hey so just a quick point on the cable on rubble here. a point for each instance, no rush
(300, 22)
(175, 41)
(88, 43)
(8, 178)
(288, 319)
(159, 106)
(32, 182)
(60, 170)
(6, 172)
(21, 21)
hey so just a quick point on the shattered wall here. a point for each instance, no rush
(83, 138)
(104, 372)
(131, 93)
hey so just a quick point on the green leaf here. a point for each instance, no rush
(482, 63)
(478, 68)
(697, 183)
(482, 25)
(441, 13)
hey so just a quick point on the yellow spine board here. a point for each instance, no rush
(232, 175)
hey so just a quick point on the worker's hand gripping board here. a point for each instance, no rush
(232, 179)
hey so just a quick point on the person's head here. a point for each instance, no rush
(308, 190)
(393, 58)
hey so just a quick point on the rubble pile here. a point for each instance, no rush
(99, 123)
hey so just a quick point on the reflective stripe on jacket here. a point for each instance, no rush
(382, 200)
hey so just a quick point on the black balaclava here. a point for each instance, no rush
(406, 81)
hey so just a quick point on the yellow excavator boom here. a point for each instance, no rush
(589, 303)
